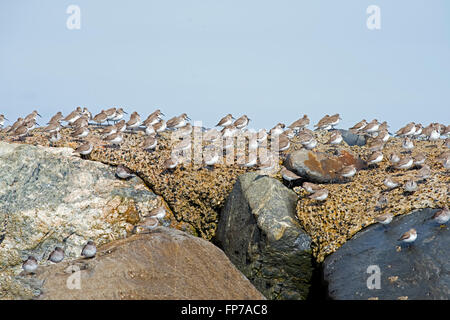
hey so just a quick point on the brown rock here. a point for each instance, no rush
(322, 167)
(163, 264)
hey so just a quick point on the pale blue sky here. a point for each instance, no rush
(273, 60)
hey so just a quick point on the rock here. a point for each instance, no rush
(321, 167)
(352, 139)
(163, 264)
(50, 198)
(258, 231)
(419, 271)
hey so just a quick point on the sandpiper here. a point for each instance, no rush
(89, 250)
(149, 130)
(119, 115)
(375, 157)
(134, 122)
(52, 127)
(359, 126)
(418, 130)
(57, 255)
(81, 133)
(185, 130)
(149, 223)
(376, 145)
(424, 172)
(410, 186)
(442, 216)
(405, 162)
(16, 125)
(150, 143)
(382, 201)
(391, 183)
(409, 236)
(277, 130)
(158, 213)
(30, 265)
(32, 116)
(109, 131)
(300, 123)
(82, 121)
(100, 118)
(87, 113)
(323, 124)
(407, 130)
(110, 114)
(242, 122)
(225, 121)
(371, 127)
(73, 116)
(394, 158)
(210, 158)
(419, 159)
(160, 126)
(319, 195)
(311, 187)
(289, 175)
(123, 172)
(211, 135)
(383, 135)
(229, 131)
(385, 218)
(407, 144)
(114, 139)
(335, 138)
(348, 171)
(85, 149)
(171, 163)
(261, 136)
(56, 118)
(283, 143)
(178, 122)
(54, 137)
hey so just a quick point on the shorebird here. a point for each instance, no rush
(391, 183)
(123, 172)
(149, 223)
(73, 116)
(348, 171)
(409, 236)
(150, 143)
(300, 123)
(89, 250)
(16, 125)
(134, 122)
(242, 122)
(394, 158)
(110, 114)
(100, 118)
(404, 163)
(382, 202)
(289, 175)
(114, 139)
(419, 159)
(157, 213)
(375, 157)
(210, 158)
(407, 130)
(372, 127)
(323, 124)
(2, 120)
(171, 163)
(56, 118)
(376, 145)
(30, 265)
(119, 115)
(335, 138)
(359, 126)
(418, 130)
(81, 133)
(178, 122)
(228, 132)
(410, 186)
(334, 120)
(261, 136)
(32, 116)
(311, 187)
(385, 218)
(149, 130)
(85, 149)
(442, 216)
(282, 143)
(383, 135)
(319, 195)
(408, 144)
(153, 118)
(107, 131)
(87, 113)
(211, 135)
(277, 130)
(52, 127)
(121, 126)
(57, 255)
(82, 121)
(185, 130)
(160, 126)
(424, 172)
(225, 121)
(54, 137)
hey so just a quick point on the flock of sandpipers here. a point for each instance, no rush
(80, 120)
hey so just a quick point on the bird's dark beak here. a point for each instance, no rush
(38, 124)
(125, 112)
(39, 115)
(6, 119)
(163, 114)
(188, 118)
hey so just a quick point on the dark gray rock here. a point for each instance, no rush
(259, 232)
(352, 139)
(418, 271)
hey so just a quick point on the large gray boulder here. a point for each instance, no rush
(352, 139)
(49, 198)
(163, 264)
(417, 271)
(259, 232)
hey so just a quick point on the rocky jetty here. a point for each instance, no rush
(51, 198)
(416, 271)
(165, 264)
(259, 232)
